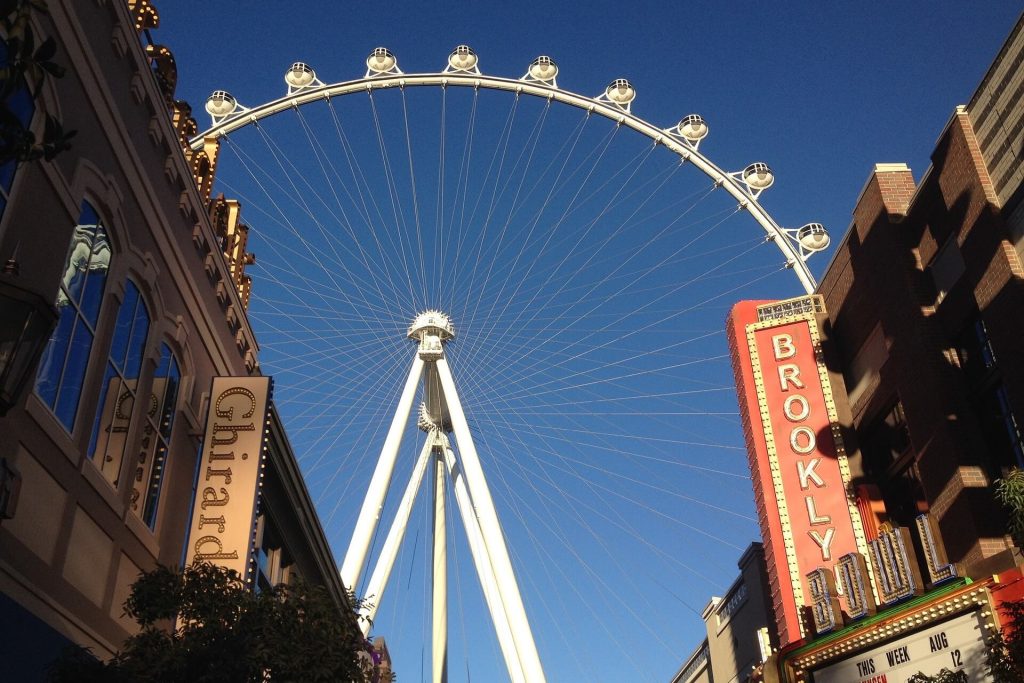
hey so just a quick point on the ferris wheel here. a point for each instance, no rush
(521, 289)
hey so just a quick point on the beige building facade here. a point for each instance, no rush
(740, 627)
(146, 273)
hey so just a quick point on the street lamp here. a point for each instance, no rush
(26, 321)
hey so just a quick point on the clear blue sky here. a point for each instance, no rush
(617, 466)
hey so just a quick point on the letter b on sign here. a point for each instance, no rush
(783, 346)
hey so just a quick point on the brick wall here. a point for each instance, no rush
(880, 276)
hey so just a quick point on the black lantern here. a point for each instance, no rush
(26, 321)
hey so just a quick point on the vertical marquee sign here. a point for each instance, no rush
(797, 461)
(224, 511)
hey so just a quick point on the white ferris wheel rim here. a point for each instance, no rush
(785, 239)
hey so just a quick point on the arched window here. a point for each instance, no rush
(156, 438)
(117, 404)
(62, 368)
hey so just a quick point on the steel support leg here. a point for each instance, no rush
(388, 553)
(440, 574)
(490, 529)
(482, 562)
(369, 515)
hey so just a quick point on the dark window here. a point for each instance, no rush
(62, 368)
(886, 440)
(274, 565)
(889, 459)
(974, 350)
(991, 404)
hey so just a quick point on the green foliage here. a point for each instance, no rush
(1006, 653)
(1010, 493)
(204, 624)
(28, 64)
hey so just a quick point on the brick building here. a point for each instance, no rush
(925, 296)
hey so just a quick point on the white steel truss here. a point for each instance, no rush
(441, 414)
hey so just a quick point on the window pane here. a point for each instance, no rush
(95, 284)
(117, 407)
(137, 345)
(123, 328)
(52, 363)
(98, 262)
(70, 390)
(110, 428)
(156, 441)
(152, 493)
(77, 265)
(64, 362)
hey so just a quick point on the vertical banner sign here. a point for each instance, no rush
(798, 465)
(229, 473)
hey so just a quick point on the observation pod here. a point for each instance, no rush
(299, 75)
(620, 92)
(381, 61)
(813, 237)
(758, 176)
(543, 69)
(462, 58)
(693, 128)
(221, 104)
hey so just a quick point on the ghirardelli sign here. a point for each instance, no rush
(798, 466)
(224, 511)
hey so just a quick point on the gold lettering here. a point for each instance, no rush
(226, 473)
(219, 521)
(210, 497)
(233, 429)
(789, 373)
(219, 554)
(222, 456)
(229, 413)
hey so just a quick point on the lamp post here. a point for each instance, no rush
(26, 321)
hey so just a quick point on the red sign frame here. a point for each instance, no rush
(798, 465)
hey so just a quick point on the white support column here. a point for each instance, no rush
(388, 553)
(482, 562)
(439, 659)
(490, 529)
(369, 515)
